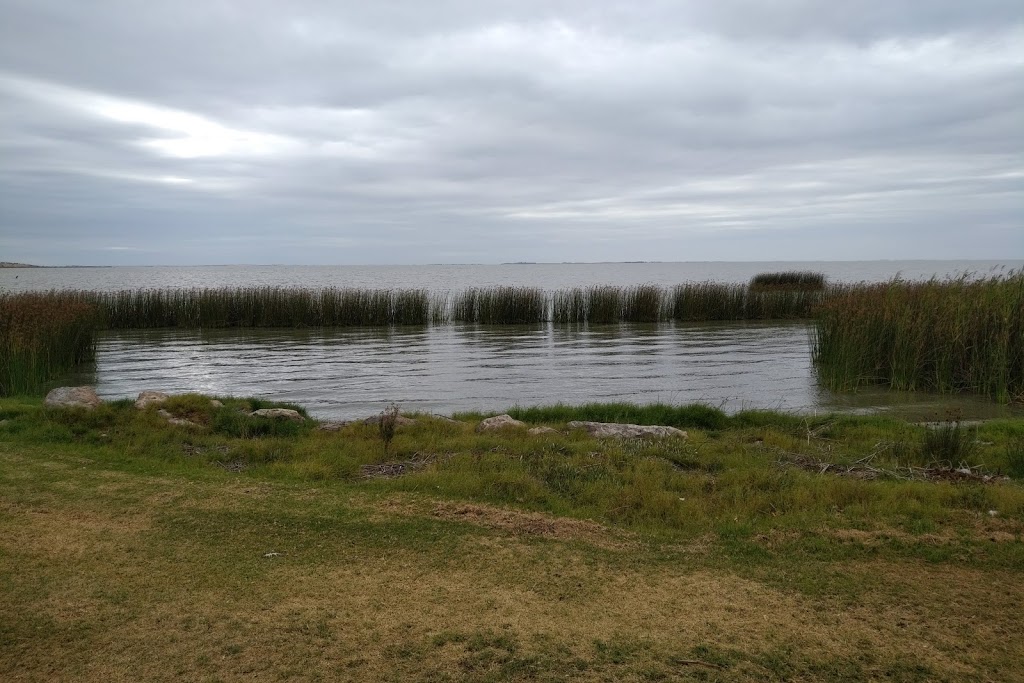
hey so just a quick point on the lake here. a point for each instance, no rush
(346, 373)
(456, 277)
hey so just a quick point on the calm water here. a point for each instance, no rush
(456, 277)
(356, 372)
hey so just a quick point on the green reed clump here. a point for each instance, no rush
(500, 306)
(643, 304)
(41, 336)
(260, 307)
(789, 280)
(569, 305)
(700, 301)
(604, 304)
(956, 335)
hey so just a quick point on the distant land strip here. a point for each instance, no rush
(8, 264)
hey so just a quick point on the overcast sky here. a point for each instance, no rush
(475, 132)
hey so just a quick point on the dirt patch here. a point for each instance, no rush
(526, 523)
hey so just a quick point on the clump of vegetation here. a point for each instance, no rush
(42, 336)
(500, 306)
(259, 307)
(386, 426)
(955, 335)
(1015, 457)
(948, 444)
(788, 280)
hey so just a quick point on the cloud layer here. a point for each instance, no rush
(266, 132)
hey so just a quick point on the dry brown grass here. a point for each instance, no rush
(98, 584)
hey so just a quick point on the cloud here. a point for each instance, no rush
(312, 132)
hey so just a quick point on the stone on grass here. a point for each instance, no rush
(150, 398)
(179, 421)
(331, 426)
(626, 431)
(278, 414)
(73, 397)
(498, 422)
(542, 430)
(214, 403)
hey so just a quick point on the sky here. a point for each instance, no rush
(456, 131)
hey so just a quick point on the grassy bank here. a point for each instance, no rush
(41, 337)
(948, 336)
(763, 547)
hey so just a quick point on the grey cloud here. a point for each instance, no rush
(318, 132)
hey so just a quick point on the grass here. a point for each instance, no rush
(957, 335)
(131, 549)
(41, 337)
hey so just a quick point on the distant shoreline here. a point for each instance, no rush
(8, 264)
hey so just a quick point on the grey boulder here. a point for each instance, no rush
(278, 414)
(626, 431)
(73, 397)
(497, 422)
(150, 398)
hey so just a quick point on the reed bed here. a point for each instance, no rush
(701, 301)
(788, 280)
(261, 307)
(959, 335)
(42, 335)
(500, 306)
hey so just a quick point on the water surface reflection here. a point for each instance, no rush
(341, 373)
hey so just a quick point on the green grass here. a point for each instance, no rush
(133, 549)
(959, 335)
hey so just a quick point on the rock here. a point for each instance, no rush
(278, 414)
(626, 431)
(73, 397)
(179, 421)
(542, 430)
(150, 398)
(331, 426)
(498, 422)
(445, 418)
(399, 421)
(214, 403)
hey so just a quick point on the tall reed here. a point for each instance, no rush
(261, 307)
(791, 279)
(952, 335)
(500, 305)
(42, 335)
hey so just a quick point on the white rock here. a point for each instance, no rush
(542, 430)
(626, 431)
(150, 398)
(498, 422)
(73, 397)
(278, 414)
(214, 403)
